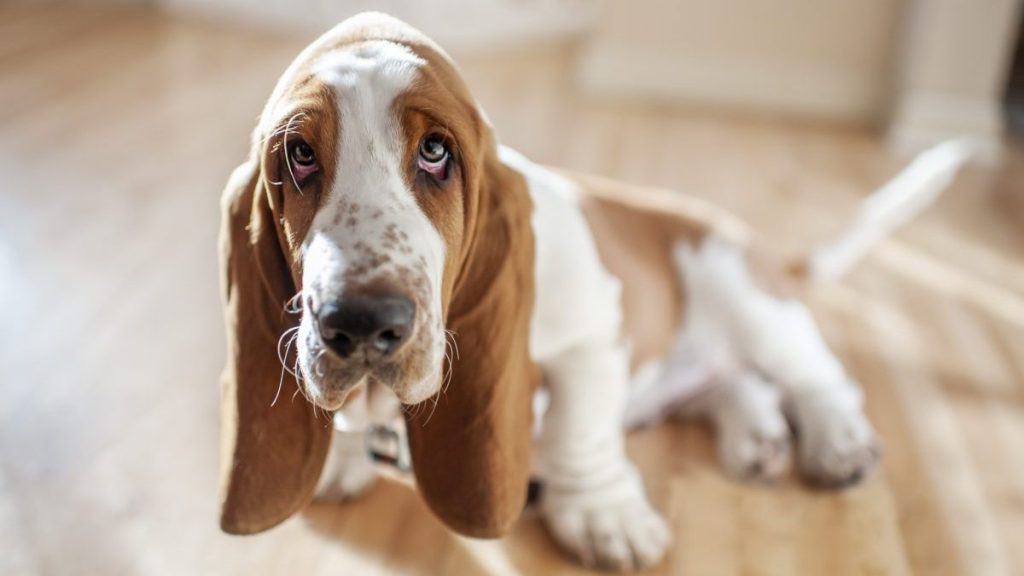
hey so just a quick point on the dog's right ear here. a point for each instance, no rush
(272, 452)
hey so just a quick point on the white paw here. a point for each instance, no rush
(837, 445)
(753, 436)
(624, 533)
(755, 450)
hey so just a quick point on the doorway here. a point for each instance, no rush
(1014, 97)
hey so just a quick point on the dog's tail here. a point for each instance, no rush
(897, 202)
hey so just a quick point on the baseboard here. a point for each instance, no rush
(924, 119)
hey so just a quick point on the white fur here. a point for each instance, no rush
(915, 188)
(752, 433)
(760, 355)
(366, 80)
(348, 471)
(594, 501)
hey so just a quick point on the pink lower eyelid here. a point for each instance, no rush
(301, 172)
(438, 170)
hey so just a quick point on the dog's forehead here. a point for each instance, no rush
(385, 67)
(369, 46)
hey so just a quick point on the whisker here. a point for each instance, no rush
(284, 367)
(437, 399)
(285, 334)
(285, 128)
(300, 389)
(414, 410)
(287, 161)
(317, 410)
(451, 347)
(283, 358)
(291, 370)
(294, 304)
(433, 408)
(455, 343)
(316, 363)
(297, 374)
(448, 367)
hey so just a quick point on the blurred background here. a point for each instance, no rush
(121, 119)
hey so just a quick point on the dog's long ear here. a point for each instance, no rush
(271, 452)
(471, 453)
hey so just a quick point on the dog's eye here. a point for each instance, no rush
(301, 162)
(433, 150)
(434, 157)
(302, 155)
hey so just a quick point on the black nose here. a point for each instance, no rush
(378, 324)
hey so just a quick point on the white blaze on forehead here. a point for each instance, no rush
(370, 209)
(386, 64)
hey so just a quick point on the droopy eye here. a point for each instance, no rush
(302, 155)
(433, 157)
(301, 161)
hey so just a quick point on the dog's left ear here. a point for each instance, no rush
(272, 452)
(471, 453)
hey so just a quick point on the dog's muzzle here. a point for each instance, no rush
(373, 326)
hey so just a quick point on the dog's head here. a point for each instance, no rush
(371, 230)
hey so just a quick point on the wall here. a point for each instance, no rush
(826, 58)
(955, 61)
(926, 69)
(456, 24)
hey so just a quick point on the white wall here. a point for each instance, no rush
(928, 69)
(828, 58)
(456, 24)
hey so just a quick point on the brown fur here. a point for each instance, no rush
(471, 452)
(271, 455)
(635, 229)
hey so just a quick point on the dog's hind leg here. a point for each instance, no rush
(780, 340)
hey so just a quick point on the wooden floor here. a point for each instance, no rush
(117, 131)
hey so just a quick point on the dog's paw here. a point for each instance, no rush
(753, 451)
(837, 445)
(622, 534)
(753, 436)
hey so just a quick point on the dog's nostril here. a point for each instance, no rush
(380, 323)
(341, 343)
(388, 339)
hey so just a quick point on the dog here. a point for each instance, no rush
(430, 290)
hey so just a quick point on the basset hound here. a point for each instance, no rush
(422, 286)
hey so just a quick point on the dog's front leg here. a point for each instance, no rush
(593, 501)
